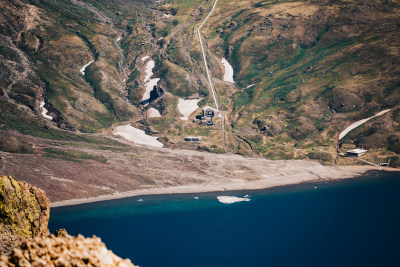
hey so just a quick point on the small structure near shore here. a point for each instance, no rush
(206, 118)
(356, 152)
(193, 139)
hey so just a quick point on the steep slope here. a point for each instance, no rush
(47, 49)
(303, 72)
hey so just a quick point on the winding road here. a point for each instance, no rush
(204, 55)
(214, 94)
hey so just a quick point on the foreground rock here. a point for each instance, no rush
(63, 251)
(23, 207)
(8, 240)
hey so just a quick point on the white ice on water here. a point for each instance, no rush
(231, 200)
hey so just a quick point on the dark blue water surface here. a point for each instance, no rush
(347, 223)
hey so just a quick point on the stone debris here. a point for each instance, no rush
(63, 251)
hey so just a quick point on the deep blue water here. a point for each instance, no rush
(347, 223)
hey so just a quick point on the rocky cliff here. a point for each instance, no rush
(25, 239)
(23, 207)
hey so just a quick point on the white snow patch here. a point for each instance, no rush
(82, 70)
(44, 111)
(231, 200)
(137, 136)
(251, 85)
(187, 107)
(359, 123)
(145, 58)
(149, 83)
(153, 113)
(167, 15)
(119, 39)
(228, 75)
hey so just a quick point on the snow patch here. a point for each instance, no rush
(145, 58)
(44, 111)
(149, 83)
(136, 135)
(119, 39)
(153, 113)
(231, 200)
(359, 123)
(228, 75)
(83, 69)
(187, 107)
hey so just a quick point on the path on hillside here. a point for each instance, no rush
(209, 76)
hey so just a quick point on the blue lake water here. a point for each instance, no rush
(346, 223)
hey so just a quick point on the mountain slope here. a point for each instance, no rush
(303, 71)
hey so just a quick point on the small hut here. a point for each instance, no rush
(192, 139)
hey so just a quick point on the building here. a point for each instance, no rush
(356, 152)
(192, 139)
(207, 117)
(209, 112)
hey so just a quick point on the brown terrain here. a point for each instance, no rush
(77, 170)
(316, 68)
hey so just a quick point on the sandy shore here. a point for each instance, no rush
(346, 172)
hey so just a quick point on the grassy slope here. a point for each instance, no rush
(316, 66)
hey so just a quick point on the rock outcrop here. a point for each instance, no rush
(8, 240)
(24, 208)
(63, 251)
(25, 238)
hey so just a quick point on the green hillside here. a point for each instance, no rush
(303, 71)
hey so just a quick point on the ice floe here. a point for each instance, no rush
(359, 123)
(187, 107)
(44, 111)
(231, 200)
(136, 135)
(153, 113)
(228, 75)
(83, 69)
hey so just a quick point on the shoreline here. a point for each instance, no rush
(352, 172)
